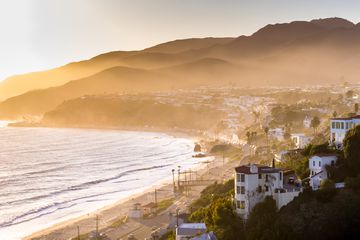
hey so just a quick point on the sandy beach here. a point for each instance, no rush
(214, 170)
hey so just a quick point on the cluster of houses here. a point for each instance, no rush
(254, 182)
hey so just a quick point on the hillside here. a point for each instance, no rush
(323, 51)
(108, 111)
(113, 80)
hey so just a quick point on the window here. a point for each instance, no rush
(242, 178)
(333, 125)
(314, 163)
(337, 125)
(237, 189)
(259, 189)
(238, 204)
(259, 175)
(266, 188)
(266, 178)
(280, 175)
(242, 204)
(238, 177)
(319, 164)
(242, 190)
(347, 125)
(342, 125)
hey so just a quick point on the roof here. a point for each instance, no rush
(325, 155)
(205, 236)
(346, 118)
(191, 229)
(261, 169)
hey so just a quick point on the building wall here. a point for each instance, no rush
(283, 199)
(339, 128)
(316, 165)
(252, 195)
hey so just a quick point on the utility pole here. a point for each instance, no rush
(177, 217)
(173, 173)
(179, 178)
(78, 232)
(185, 183)
(97, 225)
(156, 202)
(223, 155)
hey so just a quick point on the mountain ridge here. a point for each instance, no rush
(320, 51)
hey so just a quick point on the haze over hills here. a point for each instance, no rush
(321, 51)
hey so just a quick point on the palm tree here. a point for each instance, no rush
(315, 122)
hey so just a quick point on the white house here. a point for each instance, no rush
(300, 140)
(276, 133)
(307, 122)
(254, 182)
(188, 230)
(317, 167)
(340, 126)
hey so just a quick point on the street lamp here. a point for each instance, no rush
(173, 173)
(179, 167)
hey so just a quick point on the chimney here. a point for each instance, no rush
(273, 163)
(253, 168)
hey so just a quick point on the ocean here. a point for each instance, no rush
(49, 175)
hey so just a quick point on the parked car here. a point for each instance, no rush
(291, 180)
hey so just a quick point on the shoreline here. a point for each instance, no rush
(68, 226)
(175, 132)
(141, 196)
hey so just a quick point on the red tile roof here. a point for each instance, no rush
(261, 169)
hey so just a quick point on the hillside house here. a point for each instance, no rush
(276, 133)
(317, 167)
(254, 182)
(307, 122)
(340, 126)
(300, 140)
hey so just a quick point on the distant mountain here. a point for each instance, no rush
(112, 80)
(157, 56)
(321, 51)
(183, 45)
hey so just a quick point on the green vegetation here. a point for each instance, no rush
(352, 150)
(215, 208)
(169, 235)
(118, 222)
(164, 204)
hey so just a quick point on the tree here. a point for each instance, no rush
(315, 122)
(260, 224)
(266, 130)
(334, 114)
(352, 149)
(248, 135)
(349, 94)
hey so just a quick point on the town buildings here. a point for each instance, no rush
(254, 182)
(317, 167)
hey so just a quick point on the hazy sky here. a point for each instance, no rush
(41, 34)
